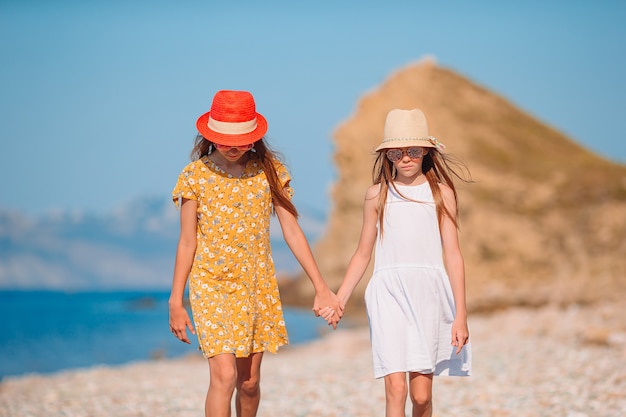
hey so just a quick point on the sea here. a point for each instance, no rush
(45, 331)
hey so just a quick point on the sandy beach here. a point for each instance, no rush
(543, 362)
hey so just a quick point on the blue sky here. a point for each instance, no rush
(98, 99)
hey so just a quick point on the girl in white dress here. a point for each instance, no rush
(416, 297)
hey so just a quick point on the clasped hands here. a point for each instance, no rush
(329, 307)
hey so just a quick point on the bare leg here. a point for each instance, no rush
(248, 385)
(421, 387)
(223, 374)
(395, 394)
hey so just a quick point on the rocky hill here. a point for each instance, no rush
(543, 222)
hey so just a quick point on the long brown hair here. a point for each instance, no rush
(268, 158)
(438, 168)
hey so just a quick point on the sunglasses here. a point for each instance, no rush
(240, 148)
(394, 155)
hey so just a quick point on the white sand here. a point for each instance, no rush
(546, 362)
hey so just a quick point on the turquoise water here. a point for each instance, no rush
(43, 332)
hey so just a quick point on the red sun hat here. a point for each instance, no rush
(232, 120)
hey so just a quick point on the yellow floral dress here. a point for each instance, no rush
(232, 284)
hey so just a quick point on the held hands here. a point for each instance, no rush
(329, 314)
(329, 307)
(179, 323)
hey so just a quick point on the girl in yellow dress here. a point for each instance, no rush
(226, 196)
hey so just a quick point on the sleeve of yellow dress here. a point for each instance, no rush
(284, 178)
(185, 186)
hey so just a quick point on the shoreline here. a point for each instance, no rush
(542, 362)
(80, 330)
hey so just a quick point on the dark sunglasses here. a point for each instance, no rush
(394, 155)
(241, 148)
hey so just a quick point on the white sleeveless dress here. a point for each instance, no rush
(409, 300)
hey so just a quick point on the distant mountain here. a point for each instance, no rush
(132, 247)
(544, 222)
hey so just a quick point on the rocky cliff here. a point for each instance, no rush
(543, 222)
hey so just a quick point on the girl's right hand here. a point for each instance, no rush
(179, 323)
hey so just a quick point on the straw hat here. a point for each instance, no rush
(404, 128)
(232, 120)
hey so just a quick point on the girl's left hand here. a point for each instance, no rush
(460, 334)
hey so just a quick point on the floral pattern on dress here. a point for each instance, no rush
(233, 290)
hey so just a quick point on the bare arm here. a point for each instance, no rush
(297, 242)
(455, 266)
(363, 254)
(179, 319)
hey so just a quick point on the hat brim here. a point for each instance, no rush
(231, 140)
(405, 144)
